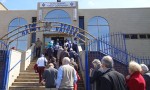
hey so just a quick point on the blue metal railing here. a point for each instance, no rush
(4, 57)
(115, 46)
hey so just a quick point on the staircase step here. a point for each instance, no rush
(27, 88)
(29, 77)
(34, 75)
(26, 84)
(31, 73)
(81, 88)
(27, 80)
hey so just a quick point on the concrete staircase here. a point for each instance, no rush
(28, 80)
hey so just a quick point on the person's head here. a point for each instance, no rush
(65, 48)
(51, 65)
(57, 43)
(107, 62)
(71, 49)
(65, 60)
(72, 60)
(75, 38)
(38, 39)
(42, 55)
(96, 63)
(69, 41)
(144, 68)
(134, 67)
(53, 59)
(60, 47)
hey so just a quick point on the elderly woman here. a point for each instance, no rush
(146, 74)
(95, 74)
(135, 81)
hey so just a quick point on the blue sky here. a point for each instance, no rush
(32, 4)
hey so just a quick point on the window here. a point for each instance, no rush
(58, 16)
(127, 36)
(81, 22)
(20, 43)
(137, 36)
(134, 36)
(148, 36)
(98, 26)
(142, 36)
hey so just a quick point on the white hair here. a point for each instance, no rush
(66, 60)
(144, 68)
(72, 60)
(108, 61)
(134, 66)
(96, 61)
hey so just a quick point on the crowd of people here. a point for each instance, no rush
(104, 77)
(62, 73)
(62, 70)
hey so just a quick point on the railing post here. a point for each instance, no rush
(6, 74)
(87, 68)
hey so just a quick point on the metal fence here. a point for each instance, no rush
(4, 58)
(114, 44)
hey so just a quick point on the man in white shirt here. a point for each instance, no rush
(41, 63)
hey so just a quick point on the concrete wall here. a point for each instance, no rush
(139, 47)
(26, 58)
(14, 58)
(128, 21)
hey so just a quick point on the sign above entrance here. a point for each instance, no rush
(58, 4)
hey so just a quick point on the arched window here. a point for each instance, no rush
(98, 26)
(20, 43)
(58, 16)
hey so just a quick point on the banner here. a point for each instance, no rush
(58, 4)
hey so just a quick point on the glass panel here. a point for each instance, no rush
(98, 21)
(98, 26)
(101, 21)
(15, 23)
(22, 22)
(58, 16)
(93, 31)
(104, 30)
(22, 45)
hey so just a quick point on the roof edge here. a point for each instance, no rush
(3, 6)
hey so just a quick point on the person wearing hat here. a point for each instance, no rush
(146, 74)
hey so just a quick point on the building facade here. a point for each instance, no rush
(134, 23)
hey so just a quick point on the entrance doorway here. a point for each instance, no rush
(58, 39)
